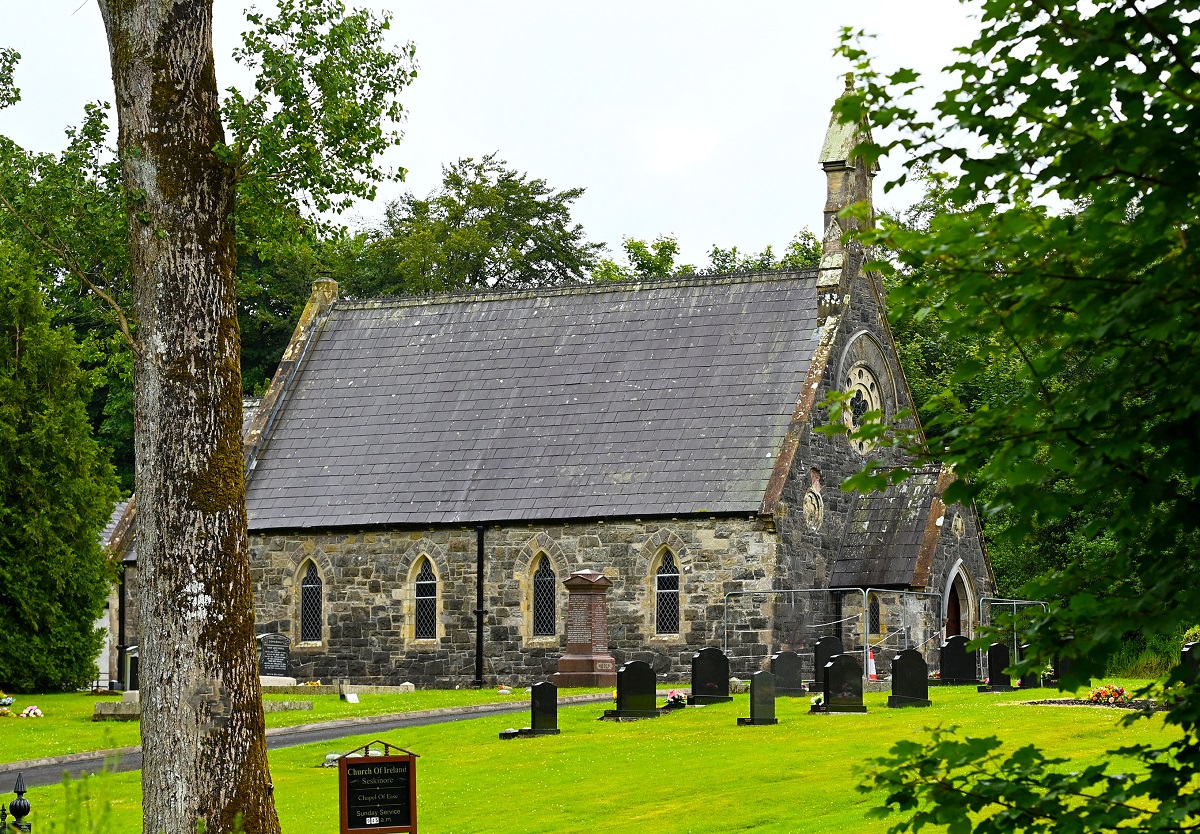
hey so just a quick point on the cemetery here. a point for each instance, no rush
(755, 774)
(566, 544)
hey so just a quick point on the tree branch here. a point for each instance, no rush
(69, 263)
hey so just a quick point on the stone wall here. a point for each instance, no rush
(368, 594)
(811, 540)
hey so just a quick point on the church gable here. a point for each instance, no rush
(665, 398)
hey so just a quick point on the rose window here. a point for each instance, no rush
(863, 388)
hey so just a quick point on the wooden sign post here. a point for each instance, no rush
(378, 793)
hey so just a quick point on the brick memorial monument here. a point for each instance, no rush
(587, 661)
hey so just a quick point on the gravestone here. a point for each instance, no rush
(824, 649)
(1061, 667)
(762, 701)
(543, 713)
(587, 661)
(959, 666)
(1030, 680)
(785, 666)
(843, 684)
(131, 668)
(635, 692)
(998, 659)
(274, 655)
(710, 677)
(1189, 657)
(910, 680)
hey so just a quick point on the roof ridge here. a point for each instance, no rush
(693, 280)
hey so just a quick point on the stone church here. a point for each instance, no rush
(425, 473)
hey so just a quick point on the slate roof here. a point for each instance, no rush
(884, 534)
(604, 401)
(107, 533)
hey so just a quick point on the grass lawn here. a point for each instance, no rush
(693, 770)
(68, 726)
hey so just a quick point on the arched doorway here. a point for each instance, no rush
(953, 613)
(958, 603)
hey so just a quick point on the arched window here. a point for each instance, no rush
(666, 596)
(310, 606)
(426, 623)
(544, 582)
(873, 615)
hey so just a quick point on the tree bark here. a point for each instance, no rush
(204, 748)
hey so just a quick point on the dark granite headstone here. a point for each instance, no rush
(1030, 680)
(710, 677)
(131, 668)
(543, 713)
(1190, 658)
(762, 700)
(959, 666)
(1061, 667)
(843, 680)
(824, 649)
(998, 659)
(274, 655)
(785, 666)
(635, 691)
(543, 709)
(910, 680)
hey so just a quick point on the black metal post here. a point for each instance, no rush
(122, 684)
(479, 612)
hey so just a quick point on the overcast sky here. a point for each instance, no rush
(699, 119)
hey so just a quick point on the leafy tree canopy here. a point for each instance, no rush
(1095, 308)
(646, 261)
(57, 489)
(488, 227)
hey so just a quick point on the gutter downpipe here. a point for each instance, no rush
(479, 612)
(120, 676)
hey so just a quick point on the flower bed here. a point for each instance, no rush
(1109, 695)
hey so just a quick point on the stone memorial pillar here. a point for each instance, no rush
(587, 661)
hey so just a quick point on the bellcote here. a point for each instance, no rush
(848, 180)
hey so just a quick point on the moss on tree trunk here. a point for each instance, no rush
(202, 721)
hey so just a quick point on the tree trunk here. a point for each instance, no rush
(203, 740)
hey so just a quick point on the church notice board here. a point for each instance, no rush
(378, 793)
